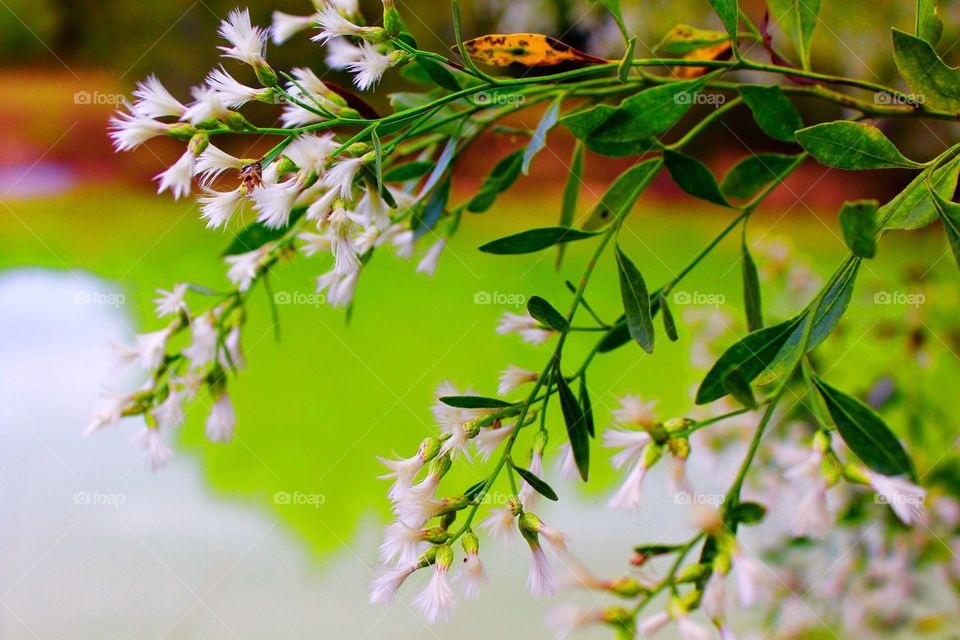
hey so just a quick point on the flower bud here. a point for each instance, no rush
(540, 442)
(448, 519)
(198, 143)
(853, 473)
(617, 616)
(471, 429)
(435, 535)
(651, 453)
(470, 543)
(626, 587)
(658, 433)
(692, 573)
(374, 35)
(439, 466)
(721, 563)
(285, 165)
(514, 506)
(444, 556)
(679, 447)
(265, 74)
(236, 122)
(452, 504)
(427, 558)
(181, 131)
(429, 449)
(392, 21)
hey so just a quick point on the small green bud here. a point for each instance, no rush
(540, 442)
(651, 453)
(453, 503)
(236, 122)
(470, 543)
(285, 165)
(376, 35)
(435, 535)
(617, 616)
(448, 519)
(626, 587)
(444, 556)
(181, 131)
(427, 558)
(392, 21)
(692, 573)
(471, 429)
(440, 465)
(853, 473)
(514, 506)
(679, 447)
(265, 74)
(721, 563)
(677, 424)
(429, 449)
(659, 433)
(821, 441)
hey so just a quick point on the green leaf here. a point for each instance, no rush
(620, 196)
(912, 208)
(424, 219)
(852, 145)
(798, 19)
(684, 39)
(616, 337)
(378, 164)
(475, 489)
(858, 221)
(535, 240)
(866, 433)
(536, 483)
(440, 168)
(746, 513)
(751, 290)
(669, 326)
(926, 73)
(501, 177)
(474, 402)
(439, 74)
(587, 406)
(739, 388)
(657, 549)
(775, 114)
(949, 212)
(576, 424)
(613, 6)
(832, 308)
(751, 174)
(751, 355)
(626, 64)
(729, 15)
(539, 139)
(255, 235)
(929, 25)
(636, 302)
(571, 192)
(409, 171)
(694, 177)
(546, 314)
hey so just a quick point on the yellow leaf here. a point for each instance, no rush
(718, 51)
(527, 49)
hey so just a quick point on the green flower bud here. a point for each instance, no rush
(470, 543)
(678, 424)
(471, 429)
(375, 35)
(651, 453)
(679, 447)
(617, 616)
(448, 519)
(721, 563)
(429, 449)
(440, 466)
(236, 122)
(452, 504)
(181, 131)
(427, 558)
(853, 473)
(285, 165)
(444, 556)
(626, 587)
(266, 75)
(540, 442)
(659, 433)
(692, 573)
(392, 21)
(435, 535)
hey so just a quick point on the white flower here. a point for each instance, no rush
(635, 412)
(148, 349)
(341, 53)
(341, 176)
(203, 341)
(690, 630)
(629, 495)
(222, 420)
(107, 413)
(490, 438)
(178, 177)
(154, 101)
(285, 26)
(525, 326)
(566, 463)
(528, 495)
(373, 209)
(418, 504)
(403, 240)
(809, 515)
(512, 377)
(243, 268)
(714, 601)
(370, 67)
(332, 23)
(540, 581)
(169, 413)
(339, 288)
(218, 207)
(500, 523)
(171, 302)
(247, 42)
(365, 240)
(630, 443)
(232, 355)
(311, 152)
(129, 131)
(387, 582)
(403, 471)
(344, 253)
(749, 575)
(314, 243)
(322, 206)
(474, 575)
(229, 90)
(401, 542)
(206, 105)
(158, 454)
(428, 264)
(905, 498)
(274, 202)
(436, 602)
(652, 623)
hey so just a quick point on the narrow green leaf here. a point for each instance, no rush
(536, 483)
(475, 489)
(620, 196)
(576, 424)
(739, 388)
(928, 76)
(754, 172)
(474, 402)
(409, 171)
(798, 19)
(657, 549)
(866, 433)
(669, 326)
(852, 145)
(571, 192)
(949, 212)
(587, 406)
(439, 74)
(858, 221)
(913, 208)
(535, 240)
(440, 168)
(425, 218)
(694, 177)
(501, 177)
(626, 64)
(539, 139)
(729, 15)
(636, 302)
(616, 337)
(752, 301)
(929, 25)
(775, 114)
(546, 314)
(613, 6)
(746, 513)
(255, 235)
(378, 164)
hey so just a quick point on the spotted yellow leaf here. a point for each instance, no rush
(527, 49)
(719, 51)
